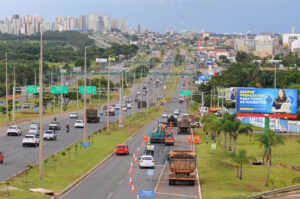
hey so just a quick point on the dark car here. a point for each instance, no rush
(26, 106)
(104, 108)
(54, 125)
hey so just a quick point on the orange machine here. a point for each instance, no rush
(169, 136)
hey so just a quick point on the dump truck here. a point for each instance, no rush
(91, 114)
(182, 166)
(172, 120)
(169, 136)
(157, 136)
(184, 125)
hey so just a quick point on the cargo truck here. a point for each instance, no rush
(182, 167)
(91, 114)
(142, 104)
(184, 125)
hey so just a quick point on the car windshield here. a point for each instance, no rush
(29, 136)
(121, 147)
(79, 121)
(33, 128)
(48, 132)
(147, 158)
(12, 127)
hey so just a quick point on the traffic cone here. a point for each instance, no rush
(135, 160)
(142, 144)
(137, 197)
(131, 165)
(130, 181)
(138, 150)
(132, 189)
(130, 171)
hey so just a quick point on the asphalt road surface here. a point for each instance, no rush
(17, 157)
(111, 180)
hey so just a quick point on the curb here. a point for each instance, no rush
(95, 167)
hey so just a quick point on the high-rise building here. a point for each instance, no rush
(114, 22)
(123, 24)
(83, 22)
(105, 23)
(139, 29)
(94, 22)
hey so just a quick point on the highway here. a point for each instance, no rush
(111, 180)
(18, 157)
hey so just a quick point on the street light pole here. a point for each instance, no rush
(6, 82)
(108, 84)
(84, 95)
(121, 101)
(41, 108)
(14, 95)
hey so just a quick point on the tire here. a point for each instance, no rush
(24, 145)
(8, 134)
(1, 161)
(192, 183)
(170, 182)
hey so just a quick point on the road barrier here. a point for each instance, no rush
(276, 191)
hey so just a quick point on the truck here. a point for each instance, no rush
(169, 136)
(172, 120)
(91, 114)
(111, 111)
(184, 125)
(182, 167)
(181, 99)
(157, 136)
(142, 104)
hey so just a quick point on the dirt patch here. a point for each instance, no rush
(225, 164)
(296, 168)
(252, 188)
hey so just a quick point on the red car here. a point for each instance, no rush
(1, 157)
(122, 149)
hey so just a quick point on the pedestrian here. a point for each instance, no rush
(206, 135)
(152, 149)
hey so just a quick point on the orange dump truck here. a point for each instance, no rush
(182, 167)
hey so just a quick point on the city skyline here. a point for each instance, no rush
(216, 16)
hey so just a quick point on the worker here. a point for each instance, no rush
(189, 139)
(145, 138)
(148, 149)
(152, 149)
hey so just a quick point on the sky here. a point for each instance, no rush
(218, 16)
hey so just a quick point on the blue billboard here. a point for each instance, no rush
(209, 62)
(264, 100)
(203, 77)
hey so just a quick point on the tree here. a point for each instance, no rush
(268, 140)
(67, 97)
(241, 158)
(206, 39)
(237, 130)
(242, 56)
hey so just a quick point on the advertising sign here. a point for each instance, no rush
(209, 62)
(147, 194)
(263, 100)
(203, 77)
(101, 60)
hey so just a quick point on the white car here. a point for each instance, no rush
(50, 135)
(124, 109)
(37, 124)
(164, 115)
(117, 107)
(31, 139)
(79, 124)
(14, 130)
(146, 161)
(34, 130)
(129, 106)
(177, 112)
(74, 115)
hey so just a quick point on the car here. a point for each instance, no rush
(164, 115)
(177, 112)
(104, 108)
(31, 139)
(117, 107)
(144, 93)
(74, 115)
(124, 108)
(122, 149)
(37, 124)
(175, 99)
(18, 106)
(129, 106)
(26, 106)
(54, 125)
(34, 130)
(14, 130)
(1, 101)
(79, 124)
(146, 161)
(50, 135)
(1, 157)
(218, 114)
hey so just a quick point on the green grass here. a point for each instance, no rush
(24, 194)
(218, 176)
(82, 160)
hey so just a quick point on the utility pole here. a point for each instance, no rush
(34, 77)
(61, 95)
(14, 96)
(275, 75)
(77, 93)
(6, 82)
(41, 108)
(84, 96)
(202, 101)
(121, 101)
(211, 98)
(108, 84)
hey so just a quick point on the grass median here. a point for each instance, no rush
(64, 167)
(217, 173)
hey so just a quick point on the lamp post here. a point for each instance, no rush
(41, 108)
(108, 84)
(84, 96)
(14, 95)
(6, 82)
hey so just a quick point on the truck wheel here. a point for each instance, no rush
(192, 183)
(171, 182)
(1, 161)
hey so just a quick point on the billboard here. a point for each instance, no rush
(203, 77)
(264, 100)
(209, 62)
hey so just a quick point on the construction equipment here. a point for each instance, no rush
(169, 137)
(142, 104)
(91, 114)
(157, 136)
(182, 166)
(184, 125)
(172, 121)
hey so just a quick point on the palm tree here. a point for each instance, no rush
(237, 130)
(269, 139)
(227, 126)
(219, 128)
(241, 158)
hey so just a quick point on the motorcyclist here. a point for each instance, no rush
(67, 127)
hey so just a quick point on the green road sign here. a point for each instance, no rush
(33, 89)
(59, 89)
(89, 89)
(186, 93)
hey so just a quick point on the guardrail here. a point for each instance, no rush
(276, 191)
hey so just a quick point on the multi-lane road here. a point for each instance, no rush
(17, 157)
(111, 180)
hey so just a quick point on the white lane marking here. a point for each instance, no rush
(160, 176)
(171, 194)
(121, 182)
(109, 195)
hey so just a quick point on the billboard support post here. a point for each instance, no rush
(267, 123)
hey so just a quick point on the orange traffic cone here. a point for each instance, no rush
(135, 160)
(131, 165)
(130, 181)
(130, 171)
(137, 197)
(132, 189)
(138, 150)
(142, 144)
(133, 156)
